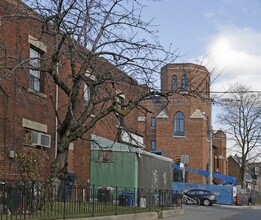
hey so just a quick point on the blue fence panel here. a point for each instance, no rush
(224, 193)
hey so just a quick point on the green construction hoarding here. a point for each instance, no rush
(113, 164)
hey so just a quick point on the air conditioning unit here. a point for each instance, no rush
(40, 139)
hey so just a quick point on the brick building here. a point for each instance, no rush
(220, 164)
(29, 99)
(181, 126)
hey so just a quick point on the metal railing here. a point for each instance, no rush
(31, 201)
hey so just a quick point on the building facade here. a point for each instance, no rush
(181, 125)
(32, 105)
(30, 100)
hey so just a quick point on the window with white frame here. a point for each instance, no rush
(34, 72)
(86, 94)
(120, 102)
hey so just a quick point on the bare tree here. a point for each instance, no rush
(102, 46)
(241, 117)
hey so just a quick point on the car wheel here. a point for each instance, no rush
(206, 202)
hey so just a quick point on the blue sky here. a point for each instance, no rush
(224, 34)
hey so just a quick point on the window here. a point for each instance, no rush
(153, 122)
(207, 128)
(153, 145)
(179, 124)
(184, 82)
(200, 192)
(34, 72)
(192, 193)
(178, 176)
(104, 156)
(207, 88)
(120, 103)
(174, 83)
(86, 94)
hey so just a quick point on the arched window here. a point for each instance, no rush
(184, 82)
(179, 124)
(174, 85)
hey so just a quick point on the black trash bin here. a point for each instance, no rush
(105, 194)
(127, 199)
(9, 198)
(123, 200)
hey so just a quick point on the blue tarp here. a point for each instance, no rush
(224, 194)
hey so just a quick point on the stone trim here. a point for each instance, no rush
(26, 123)
(36, 43)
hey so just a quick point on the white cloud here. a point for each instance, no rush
(237, 53)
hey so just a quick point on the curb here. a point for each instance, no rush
(139, 216)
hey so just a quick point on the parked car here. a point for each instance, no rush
(206, 197)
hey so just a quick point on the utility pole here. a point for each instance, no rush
(210, 155)
(210, 146)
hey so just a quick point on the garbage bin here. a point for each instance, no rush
(143, 202)
(65, 190)
(105, 194)
(127, 199)
(123, 200)
(10, 198)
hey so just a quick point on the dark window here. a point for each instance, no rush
(105, 156)
(153, 122)
(207, 128)
(207, 88)
(34, 72)
(201, 192)
(184, 82)
(191, 193)
(152, 144)
(178, 176)
(179, 124)
(174, 83)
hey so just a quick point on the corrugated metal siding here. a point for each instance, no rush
(154, 173)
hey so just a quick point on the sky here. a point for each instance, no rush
(223, 35)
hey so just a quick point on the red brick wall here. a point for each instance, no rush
(195, 142)
(220, 162)
(234, 169)
(19, 103)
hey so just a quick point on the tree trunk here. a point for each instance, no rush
(59, 166)
(242, 176)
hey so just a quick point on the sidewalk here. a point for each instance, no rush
(239, 206)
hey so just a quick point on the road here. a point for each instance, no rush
(249, 214)
(217, 212)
